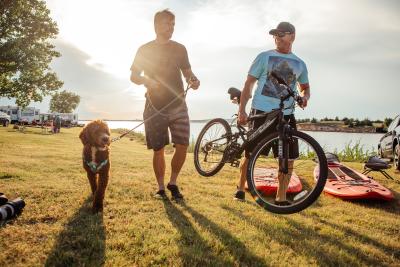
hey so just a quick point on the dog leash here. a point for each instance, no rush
(156, 113)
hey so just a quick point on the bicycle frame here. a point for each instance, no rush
(283, 128)
(270, 167)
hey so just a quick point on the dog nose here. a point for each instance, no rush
(105, 139)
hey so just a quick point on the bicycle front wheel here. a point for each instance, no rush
(210, 147)
(304, 181)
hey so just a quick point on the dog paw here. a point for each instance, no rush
(97, 209)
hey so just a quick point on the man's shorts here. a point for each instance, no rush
(293, 144)
(156, 125)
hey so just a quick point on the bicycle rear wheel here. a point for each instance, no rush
(285, 194)
(210, 147)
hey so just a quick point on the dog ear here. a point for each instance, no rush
(84, 136)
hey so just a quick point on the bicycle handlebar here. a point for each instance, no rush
(281, 81)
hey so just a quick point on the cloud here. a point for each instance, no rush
(102, 94)
(350, 49)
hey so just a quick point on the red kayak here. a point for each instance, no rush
(266, 180)
(347, 183)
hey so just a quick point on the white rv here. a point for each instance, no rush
(27, 115)
(68, 119)
(13, 112)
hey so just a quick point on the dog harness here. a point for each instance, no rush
(94, 167)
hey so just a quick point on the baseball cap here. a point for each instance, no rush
(283, 27)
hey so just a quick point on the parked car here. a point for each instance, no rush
(389, 146)
(4, 119)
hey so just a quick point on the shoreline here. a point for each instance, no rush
(312, 127)
(330, 127)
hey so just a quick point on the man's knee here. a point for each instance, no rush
(180, 147)
(159, 152)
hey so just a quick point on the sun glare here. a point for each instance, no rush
(109, 32)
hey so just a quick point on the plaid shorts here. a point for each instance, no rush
(156, 126)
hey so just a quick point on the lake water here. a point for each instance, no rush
(328, 140)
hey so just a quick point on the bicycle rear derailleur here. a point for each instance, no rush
(232, 154)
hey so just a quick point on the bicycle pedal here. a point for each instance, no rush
(235, 163)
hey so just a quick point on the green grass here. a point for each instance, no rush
(355, 152)
(209, 229)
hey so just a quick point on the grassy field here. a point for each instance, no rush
(208, 229)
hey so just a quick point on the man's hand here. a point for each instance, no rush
(194, 83)
(151, 84)
(304, 101)
(242, 117)
(305, 94)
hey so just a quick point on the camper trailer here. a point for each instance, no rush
(27, 115)
(68, 119)
(13, 112)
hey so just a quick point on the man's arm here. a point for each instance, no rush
(191, 78)
(244, 98)
(139, 79)
(305, 94)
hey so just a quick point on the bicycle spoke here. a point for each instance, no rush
(290, 192)
(210, 147)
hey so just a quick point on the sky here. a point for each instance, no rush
(350, 48)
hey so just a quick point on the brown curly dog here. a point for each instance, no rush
(95, 137)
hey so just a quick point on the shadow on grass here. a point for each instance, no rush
(4, 176)
(28, 131)
(363, 238)
(81, 242)
(237, 250)
(392, 206)
(304, 240)
(194, 250)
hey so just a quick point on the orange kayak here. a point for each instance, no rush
(346, 183)
(266, 180)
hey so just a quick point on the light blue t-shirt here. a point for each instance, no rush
(287, 66)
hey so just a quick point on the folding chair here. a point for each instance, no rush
(376, 164)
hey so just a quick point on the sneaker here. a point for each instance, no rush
(3, 199)
(239, 195)
(160, 194)
(175, 191)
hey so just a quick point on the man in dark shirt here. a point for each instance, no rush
(162, 61)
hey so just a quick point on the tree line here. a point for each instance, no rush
(351, 122)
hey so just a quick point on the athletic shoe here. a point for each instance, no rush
(176, 195)
(239, 195)
(160, 194)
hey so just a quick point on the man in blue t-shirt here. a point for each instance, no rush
(293, 70)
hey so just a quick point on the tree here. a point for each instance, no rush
(64, 102)
(387, 121)
(367, 122)
(25, 52)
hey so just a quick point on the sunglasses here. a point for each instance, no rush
(281, 34)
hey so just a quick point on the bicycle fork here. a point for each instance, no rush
(283, 151)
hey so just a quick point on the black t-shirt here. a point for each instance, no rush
(163, 63)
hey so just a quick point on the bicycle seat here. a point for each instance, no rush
(374, 163)
(234, 94)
